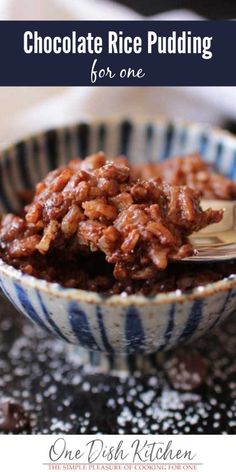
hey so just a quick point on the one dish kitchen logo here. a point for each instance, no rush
(113, 455)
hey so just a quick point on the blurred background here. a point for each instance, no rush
(212, 9)
(27, 110)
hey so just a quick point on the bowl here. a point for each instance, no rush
(121, 329)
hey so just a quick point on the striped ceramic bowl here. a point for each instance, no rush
(131, 326)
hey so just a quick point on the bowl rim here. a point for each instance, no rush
(87, 296)
(55, 289)
(203, 126)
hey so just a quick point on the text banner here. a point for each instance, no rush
(117, 53)
(108, 453)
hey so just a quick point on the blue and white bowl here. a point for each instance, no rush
(123, 327)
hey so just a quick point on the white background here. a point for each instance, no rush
(29, 453)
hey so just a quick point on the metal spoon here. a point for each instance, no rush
(216, 242)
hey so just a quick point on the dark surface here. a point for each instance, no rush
(44, 377)
(212, 9)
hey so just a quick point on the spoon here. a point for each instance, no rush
(216, 242)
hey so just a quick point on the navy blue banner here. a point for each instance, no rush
(117, 53)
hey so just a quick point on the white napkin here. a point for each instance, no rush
(26, 110)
